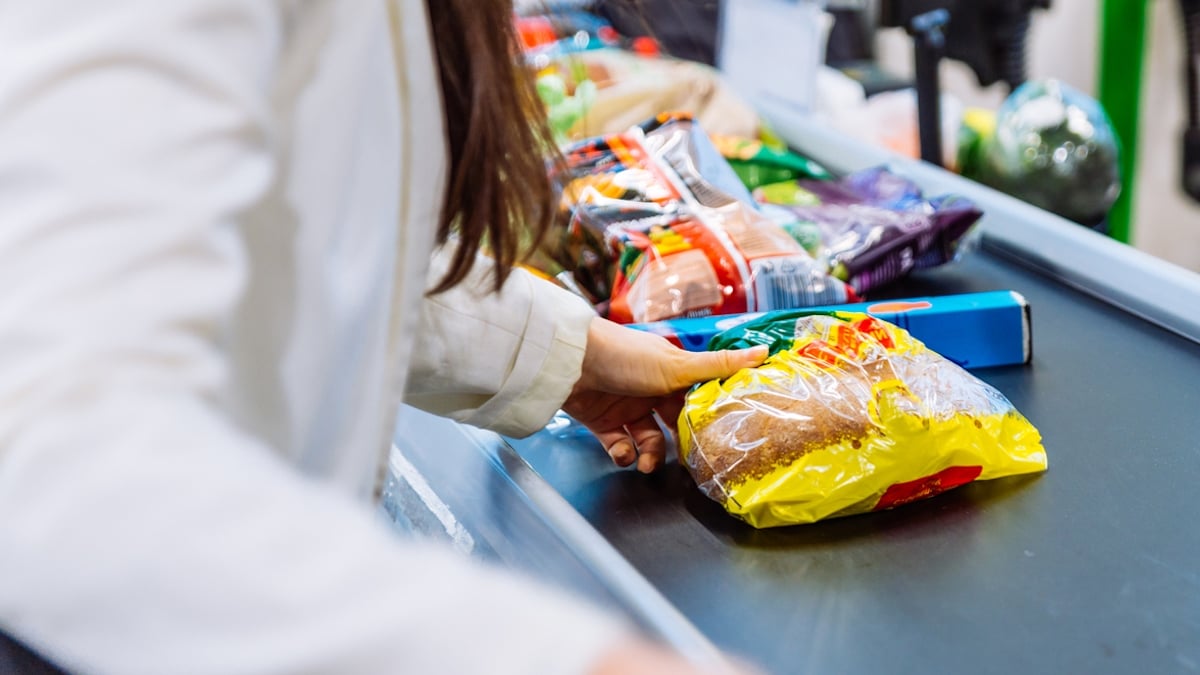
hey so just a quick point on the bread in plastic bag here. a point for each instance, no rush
(849, 414)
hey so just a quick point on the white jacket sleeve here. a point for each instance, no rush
(504, 361)
(140, 531)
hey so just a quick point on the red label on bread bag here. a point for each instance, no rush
(921, 488)
(876, 330)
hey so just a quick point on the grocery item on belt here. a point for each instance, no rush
(758, 163)
(874, 226)
(974, 330)
(1054, 147)
(655, 221)
(849, 414)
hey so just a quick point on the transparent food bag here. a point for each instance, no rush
(654, 224)
(874, 227)
(849, 414)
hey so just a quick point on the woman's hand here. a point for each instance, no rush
(628, 375)
(647, 658)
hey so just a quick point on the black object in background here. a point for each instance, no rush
(929, 44)
(851, 49)
(849, 41)
(1191, 135)
(987, 35)
(686, 29)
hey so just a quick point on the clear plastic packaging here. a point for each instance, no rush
(1055, 147)
(849, 414)
(873, 227)
(658, 225)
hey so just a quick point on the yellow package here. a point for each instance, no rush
(849, 414)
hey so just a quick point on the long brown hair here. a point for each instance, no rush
(499, 194)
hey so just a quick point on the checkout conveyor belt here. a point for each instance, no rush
(1091, 567)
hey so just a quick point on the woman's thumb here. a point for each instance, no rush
(704, 366)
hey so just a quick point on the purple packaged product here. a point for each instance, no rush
(875, 227)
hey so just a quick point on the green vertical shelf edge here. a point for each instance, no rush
(1122, 50)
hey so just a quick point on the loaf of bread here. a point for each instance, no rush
(850, 415)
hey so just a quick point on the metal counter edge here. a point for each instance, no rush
(436, 467)
(647, 605)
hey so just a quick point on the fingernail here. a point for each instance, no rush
(623, 456)
(759, 352)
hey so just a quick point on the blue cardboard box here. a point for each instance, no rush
(975, 330)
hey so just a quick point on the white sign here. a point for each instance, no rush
(773, 48)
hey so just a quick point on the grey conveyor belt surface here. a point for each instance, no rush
(1091, 567)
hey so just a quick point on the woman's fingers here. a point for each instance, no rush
(641, 441)
(619, 446)
(693, 367)
(627, 362)
(651, 443)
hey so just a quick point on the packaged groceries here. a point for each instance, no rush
(657, 223)
(974, 330)
(874, 227)
(849, 414)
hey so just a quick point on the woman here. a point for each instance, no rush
(218, 219)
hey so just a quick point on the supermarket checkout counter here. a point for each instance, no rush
(1092, 567)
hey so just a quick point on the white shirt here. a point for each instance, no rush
(216, 228)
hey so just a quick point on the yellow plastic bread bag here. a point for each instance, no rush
(849, 414)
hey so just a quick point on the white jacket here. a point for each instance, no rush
(216, 221)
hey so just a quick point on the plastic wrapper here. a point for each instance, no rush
(872, 227)
(758, 163)
(849, 414)
(1054, 147)
(656, 225)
